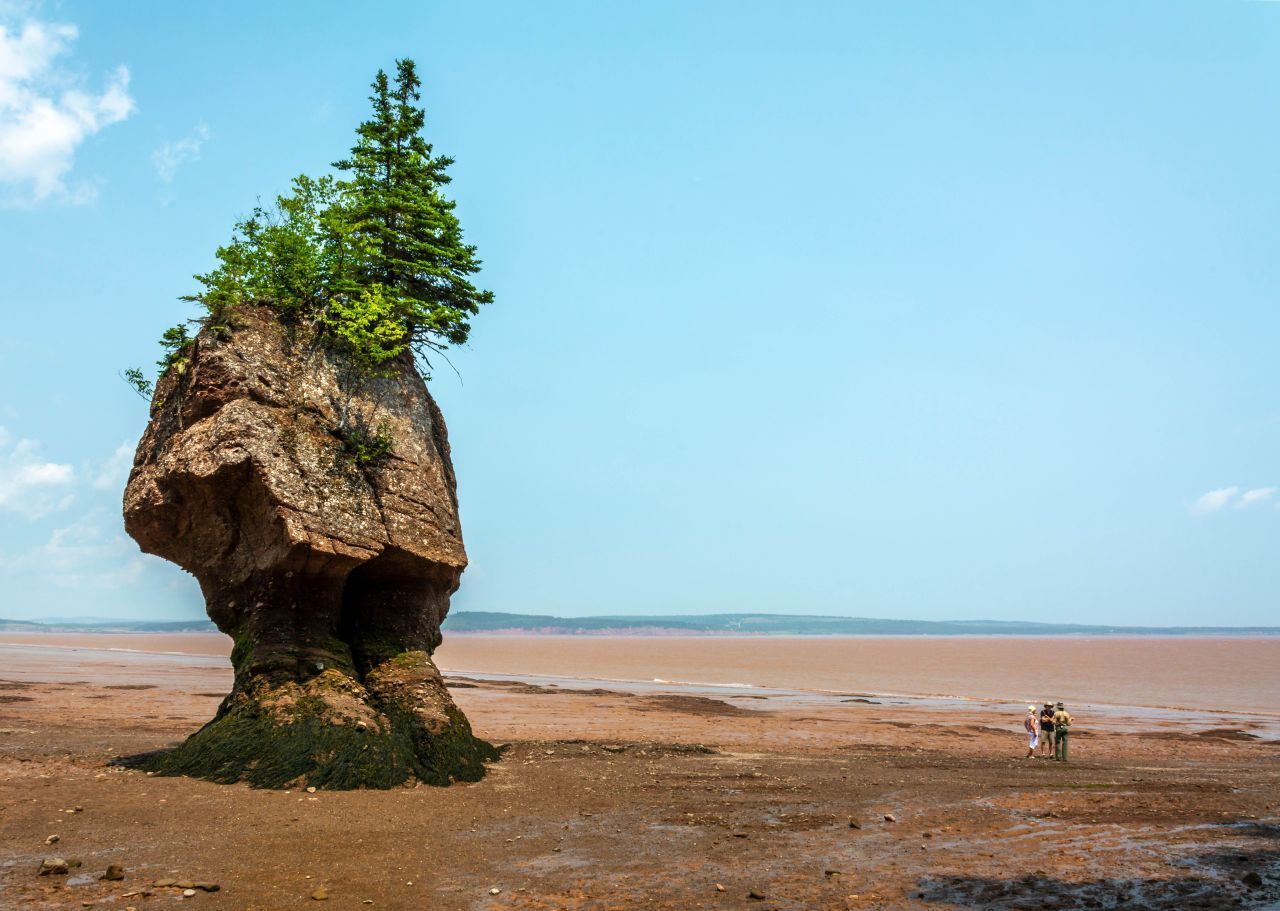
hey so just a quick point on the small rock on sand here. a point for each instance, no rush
(719, 888)
(53, 839)
(52, 866)
(187, 893)
(756, 894)
(320, 894)
(494, 891)
(854, 824)
(115, 872)
(1252, 880)
(889, 817)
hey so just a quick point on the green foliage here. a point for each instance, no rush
(369, 328)
(367, 446)
(176, 343)
(294, 255)
(395, 205)
(373, 261)
(376, 261)
(141, 385)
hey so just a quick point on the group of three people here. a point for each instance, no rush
(1050, 730)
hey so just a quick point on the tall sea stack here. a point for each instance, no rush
(331, 568)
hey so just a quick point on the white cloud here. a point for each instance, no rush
(44, 113)
(170, 156)
(83, 555)
(1214, 500)
(1257, 495)
(112, 473)
(29, 485)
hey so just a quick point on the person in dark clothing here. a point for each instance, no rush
(1046, 730)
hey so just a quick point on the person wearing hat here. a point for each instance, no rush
(1061, 728)
(1032, 726)
(1046, 730)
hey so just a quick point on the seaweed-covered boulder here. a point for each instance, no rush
(317, 507)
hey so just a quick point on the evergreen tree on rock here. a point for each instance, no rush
(406, 228)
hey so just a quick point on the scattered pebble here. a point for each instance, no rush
(311, 790)
(114, 873)
(889, 817)
(53, 839)
(494, 891)
(719, 888)
(833, 872)
(187, 893)
(854, 824)
(756, 894)
(320, 894)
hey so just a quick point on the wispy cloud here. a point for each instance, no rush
(1214, 500)
(86, 554)
(112, 473)
(1220, 499)
(1257, 495)
(172, 155)
(30, 485)
(45, 113)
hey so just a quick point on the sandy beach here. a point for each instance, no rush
(642, 791)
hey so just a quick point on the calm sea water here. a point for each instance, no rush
(1222, 673)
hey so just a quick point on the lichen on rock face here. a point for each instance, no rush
(331, 574)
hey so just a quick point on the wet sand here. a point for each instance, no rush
(1214, 673)
(644, 795)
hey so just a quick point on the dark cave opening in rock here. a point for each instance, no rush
(392, 604)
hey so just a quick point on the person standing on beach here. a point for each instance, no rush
(1032, 726)
(1046, 730)
(1061, 728)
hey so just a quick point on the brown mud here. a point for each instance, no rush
(605, 799)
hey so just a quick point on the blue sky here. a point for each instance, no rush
(929, 310)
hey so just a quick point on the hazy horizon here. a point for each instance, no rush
(929, 311)
(1248, 629)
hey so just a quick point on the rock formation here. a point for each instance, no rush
(331, 573)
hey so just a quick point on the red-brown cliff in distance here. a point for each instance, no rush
(331, 575)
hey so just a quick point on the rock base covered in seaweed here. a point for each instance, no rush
(331, 574)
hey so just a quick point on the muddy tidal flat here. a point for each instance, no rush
(647, 793)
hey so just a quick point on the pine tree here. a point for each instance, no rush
(396, 211)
